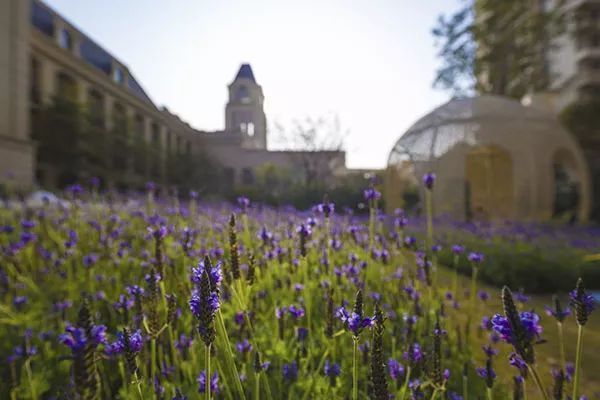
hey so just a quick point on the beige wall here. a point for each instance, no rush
(53, 59)
(16, 151)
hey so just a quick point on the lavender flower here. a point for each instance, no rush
(215, 273)
(487, 373)
(429, 180)
(457, 249)
(476, 258)
(290, 371)
(582, 302)
(371, 194)
(395, 369)
(326, 208)
(518, 329)
(557, 311)
(332, 370)
(214, 382)
(204, 305)
(90, 259)
(244, 346)
(295, 312)
(136, 342)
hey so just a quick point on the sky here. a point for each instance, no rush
(370, 63)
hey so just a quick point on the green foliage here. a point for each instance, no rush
(528, 266)
(75, 145)
(277, 187)
(495, 47)
(49, 269)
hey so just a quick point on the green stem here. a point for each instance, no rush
(355, 369)
(577, 362)
(138, 384)
(229, 357)
(257, 386)
(207, 380)
(30, 379)
(372, 216)
(152, 359)
(490, 395)
(434, 394)
(538, 381)
(473, 287)
(455, 278)
(429, 208)
(406, 382)
(465, 383)
(561, 343)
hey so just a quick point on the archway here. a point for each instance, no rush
(489, 184)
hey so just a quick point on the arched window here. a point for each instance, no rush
(242, 94)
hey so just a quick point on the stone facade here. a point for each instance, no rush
(42, 55)
(574, 58)
(17, 151)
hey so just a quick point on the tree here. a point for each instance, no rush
(314, 144)
(198, 172)
(54, 126)
(498, 47)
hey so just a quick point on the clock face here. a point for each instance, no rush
(242, 94)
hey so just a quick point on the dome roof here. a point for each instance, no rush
(494, 158)
(463, 119)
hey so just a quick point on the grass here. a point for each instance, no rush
(548, 353)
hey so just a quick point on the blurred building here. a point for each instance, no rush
(495, 159)
(46, 61)
(573, 62)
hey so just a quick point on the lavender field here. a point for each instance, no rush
(155, 297)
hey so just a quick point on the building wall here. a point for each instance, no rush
(157, 130)
(574, 59)
(39, 49)
(16, 150)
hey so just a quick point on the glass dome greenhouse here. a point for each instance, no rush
(494, 159)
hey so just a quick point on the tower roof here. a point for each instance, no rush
(245, 72)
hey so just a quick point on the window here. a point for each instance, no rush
(242, 94)
(118, 75)
(247, 176)
(247, 128)
(140, 156)
(66, 87)
(34, 94)
(64, 39)
(96, 108)
(155, 136)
